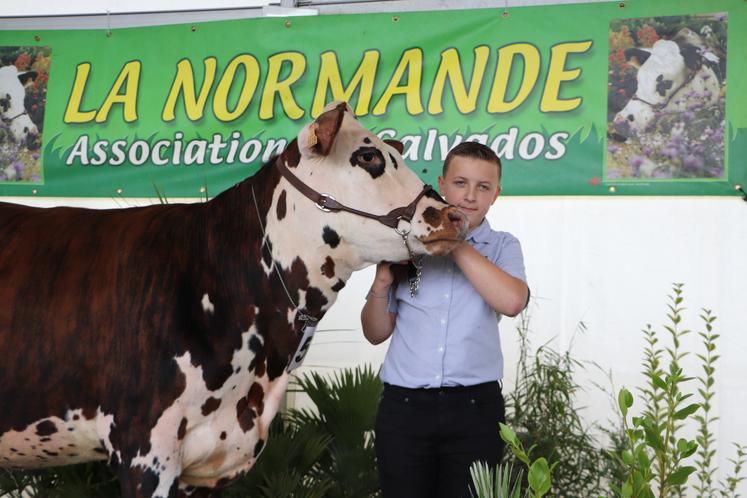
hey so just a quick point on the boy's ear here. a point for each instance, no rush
(441, 183)
(497, 193)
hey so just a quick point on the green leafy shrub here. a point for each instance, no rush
(543, 412)
(654, 457)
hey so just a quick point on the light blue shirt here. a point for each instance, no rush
(447, 335)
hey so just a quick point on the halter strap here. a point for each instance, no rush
(10, 120)
(658, 107)
(326, 202)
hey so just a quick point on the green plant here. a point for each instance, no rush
(504, 484)
(705, 437)
(285, 467)
(88, 480)
(654, 455)
(542, 410)
(346, 407)
(729, 486)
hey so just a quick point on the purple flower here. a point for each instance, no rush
(688, 115)
(647, 151)
(18, 166)
(692, 162)
(669, 151)
(636, 161)
(35, 156)
(613, 149)
(718, 136)
(716, 172)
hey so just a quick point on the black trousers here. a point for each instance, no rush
(427, 439)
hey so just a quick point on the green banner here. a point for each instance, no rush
(624, 98)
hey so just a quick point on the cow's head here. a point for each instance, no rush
(662, 71)
(337, 156)
(12, 108)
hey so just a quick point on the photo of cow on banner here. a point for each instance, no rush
(24, 72)
(667, 98)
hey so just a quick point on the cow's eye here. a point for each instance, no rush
(369, 156)
(630, 117)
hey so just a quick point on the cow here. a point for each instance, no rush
(159, 338)
(672, 76)
(12, 104)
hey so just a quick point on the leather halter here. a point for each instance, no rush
(658, 107)
(327, 203)
(10, 120)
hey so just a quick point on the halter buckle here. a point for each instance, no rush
(321, 204)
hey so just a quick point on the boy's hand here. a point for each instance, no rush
(383, 279)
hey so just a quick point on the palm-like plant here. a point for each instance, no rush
(285, 467)
(503, 484)
(88, 480)
(346, 406)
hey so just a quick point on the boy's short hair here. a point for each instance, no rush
(474, 150)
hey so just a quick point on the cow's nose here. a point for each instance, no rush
(622, 127)
(31, 141)
(458, 219)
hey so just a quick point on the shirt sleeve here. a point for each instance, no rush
(510, 258)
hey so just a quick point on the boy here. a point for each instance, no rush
(442, 399)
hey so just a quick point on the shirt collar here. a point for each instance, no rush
(481, 233)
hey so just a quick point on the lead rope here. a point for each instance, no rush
(417, 262)
(309, 322)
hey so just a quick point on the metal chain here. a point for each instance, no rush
(308, 319)
(417, 262)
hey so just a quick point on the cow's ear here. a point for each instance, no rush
(396, 144)
(691, 54)
(291, 156)
(637, 56)
(27, 77)
(321, 133)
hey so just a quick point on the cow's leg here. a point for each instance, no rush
(138, 482)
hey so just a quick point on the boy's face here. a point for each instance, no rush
(472, 185)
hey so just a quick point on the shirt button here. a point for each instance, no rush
(441, 349)
(446, 296)
(443, 321)
(438, 376)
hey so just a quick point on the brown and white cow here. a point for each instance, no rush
(159, 337)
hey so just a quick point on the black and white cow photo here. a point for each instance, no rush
(23, 77)
(666, 98)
